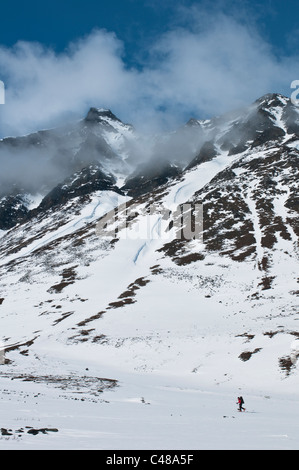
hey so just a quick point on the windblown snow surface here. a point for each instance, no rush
(137, 343)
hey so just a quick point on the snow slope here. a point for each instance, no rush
(145, 342)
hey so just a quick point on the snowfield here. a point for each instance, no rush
(147, 411)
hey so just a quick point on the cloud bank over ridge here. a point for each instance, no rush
(212, 64)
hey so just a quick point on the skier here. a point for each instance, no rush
(240, 403)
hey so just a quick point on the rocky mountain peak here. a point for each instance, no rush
(97, 115)
(272, 100)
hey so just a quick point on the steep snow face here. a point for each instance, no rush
(53, 224)
(270, 118)
(118, 136)
(153, 318)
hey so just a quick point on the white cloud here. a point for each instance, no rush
(42, 86)
(214, 64)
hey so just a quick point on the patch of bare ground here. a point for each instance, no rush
(173, 248)
(188, 259)
(177, 250)
(246, 355)
(264, 264)
(247, 337)
(121, 303)
(92, 318)
(63, 317)
(228, 227)
(82, 336)
(13, 347)
(77, 384)
(286, 365)
(271, 334)
(101, 339)
(156, 269)
(266, 282)
(68, 277)
(127, 297)
(295, 292)
(17, 433)
(23, 349)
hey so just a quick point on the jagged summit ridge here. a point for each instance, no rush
(99, 115)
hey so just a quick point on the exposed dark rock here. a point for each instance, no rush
(96, 115)
(41, 430)
(149, 177)
(13, 209)
(82, 183)
(207, 152)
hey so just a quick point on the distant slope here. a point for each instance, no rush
(222, 308)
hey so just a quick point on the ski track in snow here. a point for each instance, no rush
(135, 259)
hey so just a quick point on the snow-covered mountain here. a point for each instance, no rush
(34, 165)
(144, 316)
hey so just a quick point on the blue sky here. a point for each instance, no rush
(136, 22)
(154, 63)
